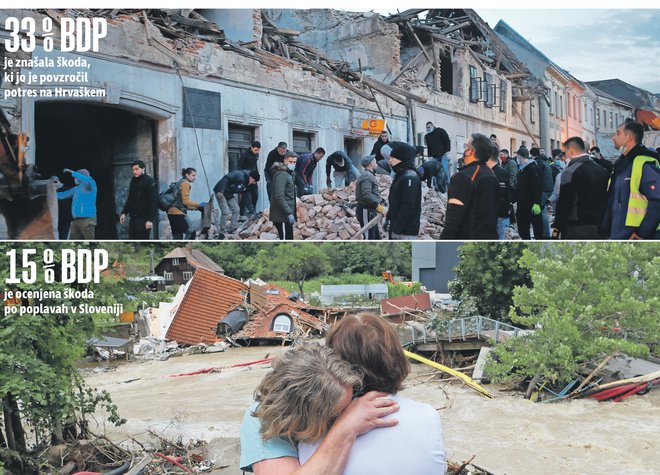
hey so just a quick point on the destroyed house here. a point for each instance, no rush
(173, 82)
(210, 296)
(179, 265)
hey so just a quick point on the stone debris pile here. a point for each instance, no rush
(330, 215)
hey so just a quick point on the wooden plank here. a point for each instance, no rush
(325, 71)
(393, 89)
(417, 40)
(455, 27)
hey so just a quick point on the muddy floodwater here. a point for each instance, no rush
(507, 434)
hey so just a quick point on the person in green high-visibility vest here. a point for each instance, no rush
(633, 205)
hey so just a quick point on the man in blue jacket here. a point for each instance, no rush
(633, 199)
(305, 167)
(83, 206)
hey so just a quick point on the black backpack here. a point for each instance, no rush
(170, 197)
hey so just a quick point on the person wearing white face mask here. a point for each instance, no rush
(283, 197)
(633, 206)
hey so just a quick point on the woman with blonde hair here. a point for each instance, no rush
(308, 395)
(369, 343)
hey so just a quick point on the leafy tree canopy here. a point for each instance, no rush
(485, 278)
(587, 300)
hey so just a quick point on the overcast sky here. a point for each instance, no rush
(593, 44)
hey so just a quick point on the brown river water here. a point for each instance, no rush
(507, 434)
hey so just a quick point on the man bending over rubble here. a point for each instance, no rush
(308, 387)
(345, 172)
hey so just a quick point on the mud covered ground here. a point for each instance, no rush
(508, 434)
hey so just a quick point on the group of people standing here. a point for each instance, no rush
(591, 198)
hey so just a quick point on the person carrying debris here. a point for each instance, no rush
(472, 195)
(177, 214)
(438, 145)
(83, 205)
(414, 446)
(528, 196)
(308, 387)
(305, 167)
(405, 193)
(250, 161)
(345, 172)
(228, 191)
(283, 198)
(141, 204)
(274, 156)
(368, 198)
(382, 140)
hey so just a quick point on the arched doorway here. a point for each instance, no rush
(103, 140)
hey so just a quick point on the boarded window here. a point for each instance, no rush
(240, 138)
(475, 85)
(503, 97)
(302, 142)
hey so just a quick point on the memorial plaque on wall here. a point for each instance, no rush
(201, 109)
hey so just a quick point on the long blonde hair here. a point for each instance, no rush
(300, 396)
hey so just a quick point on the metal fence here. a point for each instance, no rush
(482, 327)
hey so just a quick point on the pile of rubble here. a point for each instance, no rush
(330, 215)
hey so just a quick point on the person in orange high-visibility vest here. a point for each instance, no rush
(633, 205)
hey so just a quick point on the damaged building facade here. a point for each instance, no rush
(178, 91)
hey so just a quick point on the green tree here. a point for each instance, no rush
(296, 262)
(485, 278)
(587, 300)
(39, 385)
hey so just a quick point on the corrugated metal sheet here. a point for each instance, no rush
(330, 293)
(208, 299)
(396, 305)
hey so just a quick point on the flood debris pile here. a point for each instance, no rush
(158, 456)
(330, 215)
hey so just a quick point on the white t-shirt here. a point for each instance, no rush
(413, 446)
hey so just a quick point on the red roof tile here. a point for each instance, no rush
(259, 325)
(210, 296)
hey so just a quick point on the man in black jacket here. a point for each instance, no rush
(546, 186)
(438, 147)
(382, 140)
(141, 204)
(274, 156)
(344, 170)
(405, 194)
(232, 184)
(250, 161)
(503, 192)
(582, 194)
(528, 196)
(472, 193)
(367, 195)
